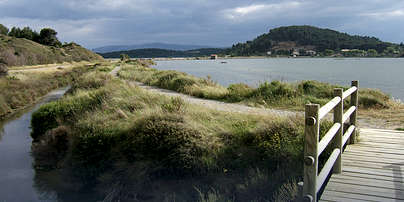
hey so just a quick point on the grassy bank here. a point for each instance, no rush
(376, 107)
(268, 94)
(22, 88)
(135, 145)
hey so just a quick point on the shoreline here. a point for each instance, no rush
(253, 57)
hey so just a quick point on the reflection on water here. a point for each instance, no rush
(18, 180)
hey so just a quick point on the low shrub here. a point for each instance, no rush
(48, 115)
(176, 105)
(239, 92)
(93, 80)
(274, 90)
(317, 89)
(370, 98)
(169, 140)
(179, 84)
(164, 78)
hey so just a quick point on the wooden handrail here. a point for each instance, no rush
(313, 178)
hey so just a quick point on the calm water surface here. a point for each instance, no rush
(386, 74)
(18, 180)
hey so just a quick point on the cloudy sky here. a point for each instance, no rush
(95, 23)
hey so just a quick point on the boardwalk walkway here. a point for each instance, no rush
(373, 169)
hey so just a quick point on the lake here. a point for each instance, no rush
(385, 74)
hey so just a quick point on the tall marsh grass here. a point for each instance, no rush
(268, 94)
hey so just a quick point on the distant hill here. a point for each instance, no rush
(21, 51)
(156, 53)
(284, 39)
(165, 46)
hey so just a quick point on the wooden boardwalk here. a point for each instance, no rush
(372, 169)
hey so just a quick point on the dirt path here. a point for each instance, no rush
(363, 122)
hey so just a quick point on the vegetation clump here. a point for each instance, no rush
(138, 145)
(269, 94)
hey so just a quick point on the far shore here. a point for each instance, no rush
(251, 57)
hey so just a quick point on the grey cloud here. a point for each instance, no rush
(96, 23)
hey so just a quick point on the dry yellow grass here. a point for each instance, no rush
(391, 118)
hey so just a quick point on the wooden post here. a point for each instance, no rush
(353, 117)
(311, 139)
(338, 114)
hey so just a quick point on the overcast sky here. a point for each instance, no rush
(95, 23)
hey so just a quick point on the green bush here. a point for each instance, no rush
(92, 152)
(176, 104)
(239, 92)
(370, 98)
(93, 80)
(275, 89)
(47, 116)
(179, 84)
(164, 78)
(279, 141)
(317, 89)
(168, 139)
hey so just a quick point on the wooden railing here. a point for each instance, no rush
(336, 136)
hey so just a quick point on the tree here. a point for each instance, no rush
(47, 37)
(3, 29)
(15, 32)
(29, 34)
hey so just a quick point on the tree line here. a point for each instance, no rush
(46, 36)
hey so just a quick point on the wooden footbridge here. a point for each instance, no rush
(369, 170)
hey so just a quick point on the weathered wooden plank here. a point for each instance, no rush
(379, 150)
(327, 197)
(381, 145)
(368, 182)
(342, 196)
(328, 107)
(365, 190)
(382, 140)
(379, 131)
(311, 138)
(381, 164)
(349, 92)
(327, 168)
(328, 137)
(370, 176)
(387, 135)
(378, 155)
(384, 136)
(383, 169)
(348, 114)
(371, 159)
(348, 134)
(371, 171)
